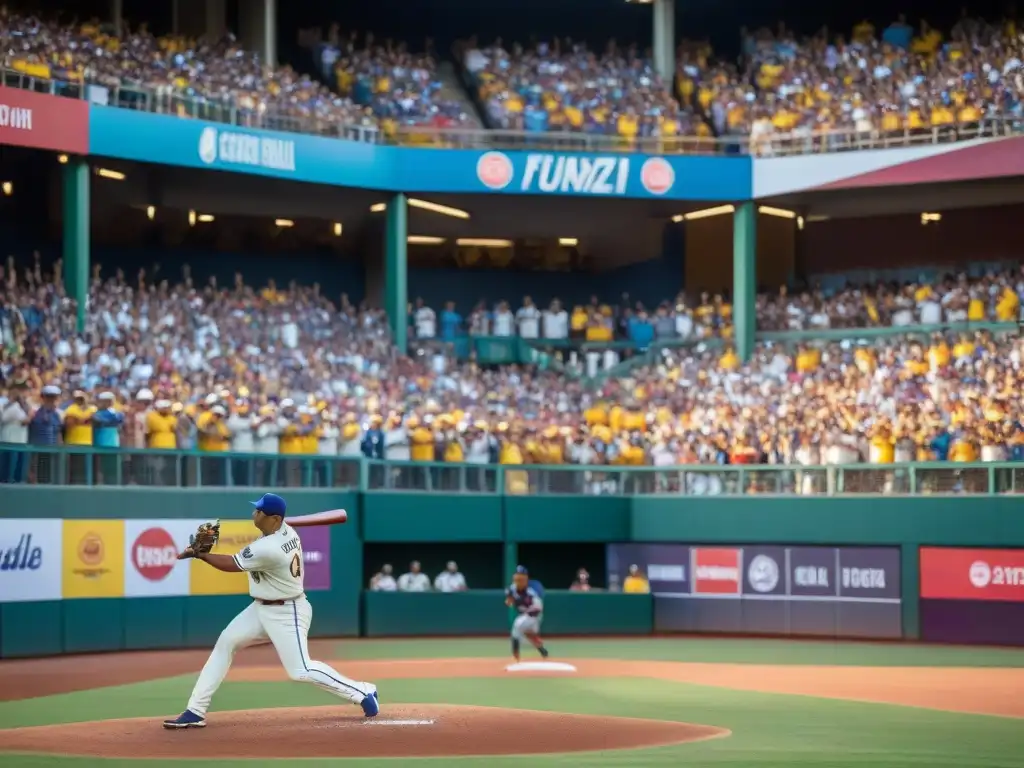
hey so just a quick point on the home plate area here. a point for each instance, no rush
(541, 666)
(412, 730)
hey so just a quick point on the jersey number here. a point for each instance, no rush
(296, 566)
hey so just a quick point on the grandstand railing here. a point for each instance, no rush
(184, 104)
(111, 467)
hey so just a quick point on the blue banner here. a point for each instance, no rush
(145, 137)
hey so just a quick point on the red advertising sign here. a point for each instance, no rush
(716, 571)
(40, 121)
(972, 574)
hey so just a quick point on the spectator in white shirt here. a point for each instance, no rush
(383, 580)
(426, 321)
(479, 321)
(556, 321)
(528, 319)
(450, 580)
(414, 581)
(14, 414)
(504, 320)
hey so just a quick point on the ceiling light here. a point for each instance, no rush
(781, 213)
(569, 242)
(284, 223)
(106, 173)
(206, 218)
(483, 242)
(337, 229)
(444, 210)
(62, 159)
(706, 213)
(424, 240)
(378, 207)
(151, 212)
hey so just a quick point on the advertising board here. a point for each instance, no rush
(30, 560)
(167, 140)
(41, 121)
(829, 591)
(152, 568)
(972, 595)
(93, 558)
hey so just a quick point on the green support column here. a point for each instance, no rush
(76, 233)
(396, 265)
(744, 278)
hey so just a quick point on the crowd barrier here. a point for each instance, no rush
(87, 568)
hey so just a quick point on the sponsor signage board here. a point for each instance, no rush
(972, 574)
(31, 552)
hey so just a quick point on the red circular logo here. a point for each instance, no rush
(657, 175)
(494, 170)
(154, 554)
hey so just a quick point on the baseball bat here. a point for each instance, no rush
(330, 517)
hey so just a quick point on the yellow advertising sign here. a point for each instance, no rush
(93, 561)
(235, 535)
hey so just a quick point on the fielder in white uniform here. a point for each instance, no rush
(279, 613)
(529, 606)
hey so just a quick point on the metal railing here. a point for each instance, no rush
(111, 467)
(168, 101)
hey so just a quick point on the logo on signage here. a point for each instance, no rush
(763, 573)
(18, 118)
(154, 554)
(494, 169)
(657, 175)
(91, 553)
(863, 578)
(312, 557)
(244, 149)
(23, 556)
(573, 174)
(810, 576)
(980, 574)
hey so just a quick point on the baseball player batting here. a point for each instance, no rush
(526, 598)
(279, 613)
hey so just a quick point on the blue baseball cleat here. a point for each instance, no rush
(187, 719)
(371, 704)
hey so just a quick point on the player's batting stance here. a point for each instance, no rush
(527, 600)
(279, 613)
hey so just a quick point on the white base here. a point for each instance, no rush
(379, 723)
(540, 666)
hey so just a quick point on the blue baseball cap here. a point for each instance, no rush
(271, 504)
(522, 569)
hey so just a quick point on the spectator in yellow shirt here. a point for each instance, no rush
(213, 438)
(161, 427)
(78, 432)
(636, 583)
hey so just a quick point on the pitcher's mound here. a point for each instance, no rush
(413, 730)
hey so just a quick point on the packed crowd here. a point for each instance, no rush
(563, 86)
(401, 88)
(863, 82)
(215, 72)
(284, 372)
(952, 300)
(780, 84)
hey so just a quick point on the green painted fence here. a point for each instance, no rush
(927, 504)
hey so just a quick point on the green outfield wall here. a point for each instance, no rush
(503, 523)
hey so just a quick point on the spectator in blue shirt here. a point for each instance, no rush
(641, 332)
(898, 34)
(451, 322)
(106, 433)
(44, 429)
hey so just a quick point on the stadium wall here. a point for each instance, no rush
(95, 607)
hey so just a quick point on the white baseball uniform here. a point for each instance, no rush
(275, 568)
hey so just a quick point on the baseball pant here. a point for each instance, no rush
(524, 624)
(287, 627)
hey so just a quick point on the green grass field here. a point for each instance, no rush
(768, 730)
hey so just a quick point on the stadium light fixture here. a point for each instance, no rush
(424, 240)
(150, 212)
(62, 159)
(338, 229)
(483, 242)
(205, 218)
(444, 210)
(378, 207)
(930, 218)
(781, 213)
(707, 213)
(191, 218)
(284, 223)
(568, 242)
(799, 222)
(8, 188)
(106, 173)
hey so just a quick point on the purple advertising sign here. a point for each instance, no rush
(667, 566)
(812, 572)
(869, 572)
(764, 571)
(316, 553)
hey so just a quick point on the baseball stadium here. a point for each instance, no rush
(595, 384)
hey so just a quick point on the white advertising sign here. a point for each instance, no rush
(30, 560)
(151, 567)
